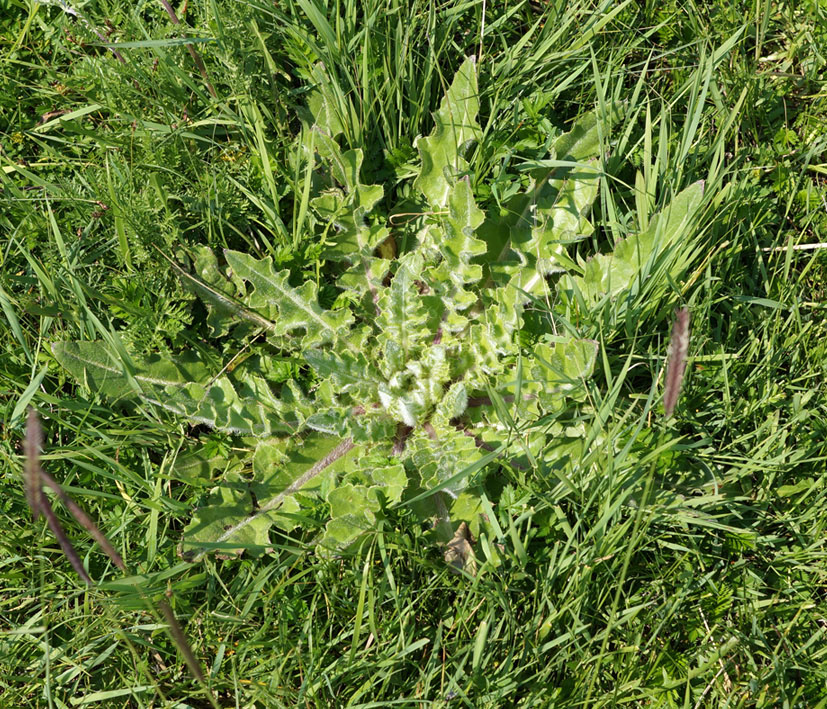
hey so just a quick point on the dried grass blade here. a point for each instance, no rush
(676, 362)
(32, 445)
(65, 544)
(39, 503)
(196, 57)
(84, 520)
(181, 641)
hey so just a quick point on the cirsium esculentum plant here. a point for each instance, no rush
(418, 377)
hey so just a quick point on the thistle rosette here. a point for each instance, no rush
(414, 379)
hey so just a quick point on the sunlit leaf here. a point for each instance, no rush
(392, 375)
(455, 125)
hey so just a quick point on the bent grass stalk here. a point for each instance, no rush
(196, 57)
(35, 477)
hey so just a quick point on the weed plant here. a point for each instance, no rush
(620, 557)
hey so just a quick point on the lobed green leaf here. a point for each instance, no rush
(455, 125)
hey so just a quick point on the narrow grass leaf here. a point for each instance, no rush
(27, 396)
(14, 323)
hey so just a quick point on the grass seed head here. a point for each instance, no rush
(676, 362)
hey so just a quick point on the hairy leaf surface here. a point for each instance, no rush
(401, 367)
(455, 125)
